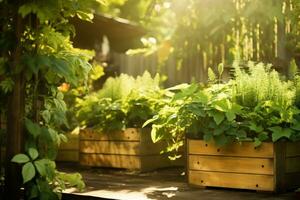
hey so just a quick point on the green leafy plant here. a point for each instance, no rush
(123, 102)
(256, 105)
(49, 183)
(36, 57)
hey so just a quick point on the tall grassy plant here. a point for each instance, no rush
(259, 83)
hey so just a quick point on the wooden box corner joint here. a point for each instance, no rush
(271, 167)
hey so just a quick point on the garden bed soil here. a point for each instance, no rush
(269, 167)
(129, 149)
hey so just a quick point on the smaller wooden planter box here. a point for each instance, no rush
(270, 167)
(69, 151)
(129, 149)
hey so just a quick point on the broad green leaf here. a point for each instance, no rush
(230, 115)
(41, 166)
(202, 97)
(220, 140)
(255, 127)
(20, 158)
(218, 131)
(34, 192)
(278, 132)
(218, 117)
(63, 137)
(33, 128)
(208, 136)
(33, 153)
(46, 116)
(257, 142)
(263, 136)
(222, 105)
(28, 172)
(149, 121)
(296, 126)
(220, 69)
(156, 133)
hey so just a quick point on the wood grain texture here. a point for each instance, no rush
(292, 165)
(231, 164)
(130, 134)
(293, 149)
(110, 147)
(71, 144)
(246, 149)
(231, 180)
(279, 166)
(68, 156)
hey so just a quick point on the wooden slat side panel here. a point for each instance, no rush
(231, 164)
(231, 180)
(71, 144)
(292, 165)
(116, 161)
(110, 147)
(68, 156)
(246, 149)
(293, 149)
(130, 134)
(292, 181)
(145, 135)
(151, 162)
(150, 148)
(279, 166)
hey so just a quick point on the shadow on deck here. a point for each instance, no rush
(105, 183)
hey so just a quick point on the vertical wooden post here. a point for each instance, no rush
(15, 119)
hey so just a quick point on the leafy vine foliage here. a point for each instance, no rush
(46, 60)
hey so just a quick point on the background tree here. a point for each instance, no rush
(219, 31)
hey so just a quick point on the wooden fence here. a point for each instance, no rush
(193, 68)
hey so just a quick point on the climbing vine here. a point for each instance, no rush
(36, 57)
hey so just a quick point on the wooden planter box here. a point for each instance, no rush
(130, 149)
(69, 151)
(270, 167)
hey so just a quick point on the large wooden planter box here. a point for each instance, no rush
(129, 149)
(270, 167)
(69, 151)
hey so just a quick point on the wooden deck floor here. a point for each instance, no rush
(162, 184)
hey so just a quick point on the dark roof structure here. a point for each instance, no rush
(122, 34)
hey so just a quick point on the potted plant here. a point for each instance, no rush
(113, 118)
(240, 134)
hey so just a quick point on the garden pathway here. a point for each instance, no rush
(162, 184)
